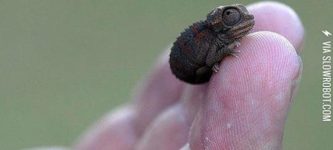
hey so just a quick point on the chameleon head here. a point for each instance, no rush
(234, 21)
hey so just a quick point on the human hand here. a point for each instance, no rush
(244, 106)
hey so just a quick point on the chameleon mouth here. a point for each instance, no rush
(241, 30)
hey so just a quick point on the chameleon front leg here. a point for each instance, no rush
(217, 53)
(233, 45)
(231, 49)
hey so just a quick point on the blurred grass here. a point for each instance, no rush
(64, 63)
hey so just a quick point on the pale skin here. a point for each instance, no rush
(243, 107)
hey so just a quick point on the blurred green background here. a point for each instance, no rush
(64, 63)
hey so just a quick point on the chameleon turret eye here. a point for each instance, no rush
(231, 16)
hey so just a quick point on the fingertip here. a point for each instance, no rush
(280, 18)
(263, 54)
(248, 99)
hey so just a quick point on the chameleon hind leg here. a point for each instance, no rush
(203, 70)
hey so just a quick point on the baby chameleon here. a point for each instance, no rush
(198, 50)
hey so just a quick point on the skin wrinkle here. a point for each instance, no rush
(297, 80)
(186, 147)
(204, 130)
(196, 142)
(175, 127)
(192, 99)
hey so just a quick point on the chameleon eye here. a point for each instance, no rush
(231, 16)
